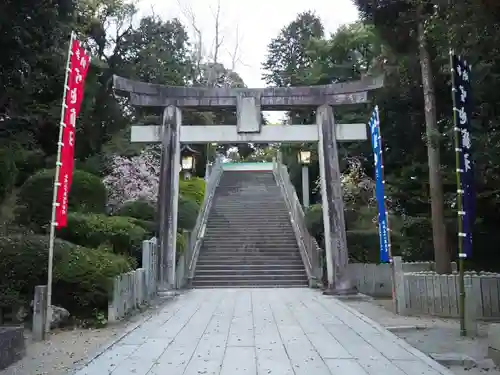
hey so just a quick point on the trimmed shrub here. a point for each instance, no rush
(187, 213)
(28, 162)
(180, 245)
(139, 209)
(193, 189)
(94, 230)
(363, 245)
(151, 227)
(97, 165)
(81, 275)
(87, 195)
(314, 222)
(8, 173)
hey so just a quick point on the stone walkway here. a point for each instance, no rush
(260, 332)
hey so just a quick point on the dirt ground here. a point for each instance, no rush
(65, 349)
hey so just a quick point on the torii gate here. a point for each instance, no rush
(248, 104)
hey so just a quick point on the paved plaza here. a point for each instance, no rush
(260, 332)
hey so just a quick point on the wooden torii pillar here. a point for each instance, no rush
(248, 104)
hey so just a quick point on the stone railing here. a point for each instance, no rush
(186, 265)
(376, 279)
(309, 249)
(136, 288)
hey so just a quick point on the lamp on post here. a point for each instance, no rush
(304, 157)
(187, 161)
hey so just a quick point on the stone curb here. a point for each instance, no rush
(454, 359)
(160, 302)
(417, 353)
(406, 328)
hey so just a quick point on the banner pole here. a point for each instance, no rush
(56, 188)
(389, 244)
(460, 191)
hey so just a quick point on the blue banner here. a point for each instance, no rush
(383, 228)
(466, 192)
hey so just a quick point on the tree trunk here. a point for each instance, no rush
(441, 254)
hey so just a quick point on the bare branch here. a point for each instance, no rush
(235, 53)
(187, 11)
(219, 40)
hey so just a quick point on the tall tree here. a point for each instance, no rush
(399, 22)
(287, 57)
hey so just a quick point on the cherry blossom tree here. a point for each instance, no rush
(134, 178)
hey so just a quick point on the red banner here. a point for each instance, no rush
(79, 62)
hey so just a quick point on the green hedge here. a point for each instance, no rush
(95, 230)
(81, 275)
(363, 245)
(314, 222)
(151, 227)
(193, 189)
(140, 209)
(87, 195)
(180, 245)
(28, 162)
(187, 213)
(8, 173)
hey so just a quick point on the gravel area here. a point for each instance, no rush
(434, 336)
(65, 349)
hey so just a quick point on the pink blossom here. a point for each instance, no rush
(135, 178)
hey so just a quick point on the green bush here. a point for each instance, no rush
(187, 213)
(8, 173)
(363, 245)
(180, 245)
(28, 162)
(151, 227)
(87, 195)
(314, 222)
(97, 165)
(193, 189)
(94, 230)
(81, 275)
(140, 209)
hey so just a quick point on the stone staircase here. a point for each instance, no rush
(249, 240)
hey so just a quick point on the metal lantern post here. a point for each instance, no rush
(187, 161)
(304, 157)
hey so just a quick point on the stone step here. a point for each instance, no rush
(226, 272)
(252, 228)
(297, 276)
(249, 215)
(241, 217)
(275, 202)
(264, 261)
(262, 232)
(236, 267)
(243, 246)
(268, 258)
(239, 242)
(254, 223)
(274, 259)
(239, 233)
(250, 283)
(264, 210)
(250, 248)
(250, 286)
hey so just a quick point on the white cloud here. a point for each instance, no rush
(258, 22)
